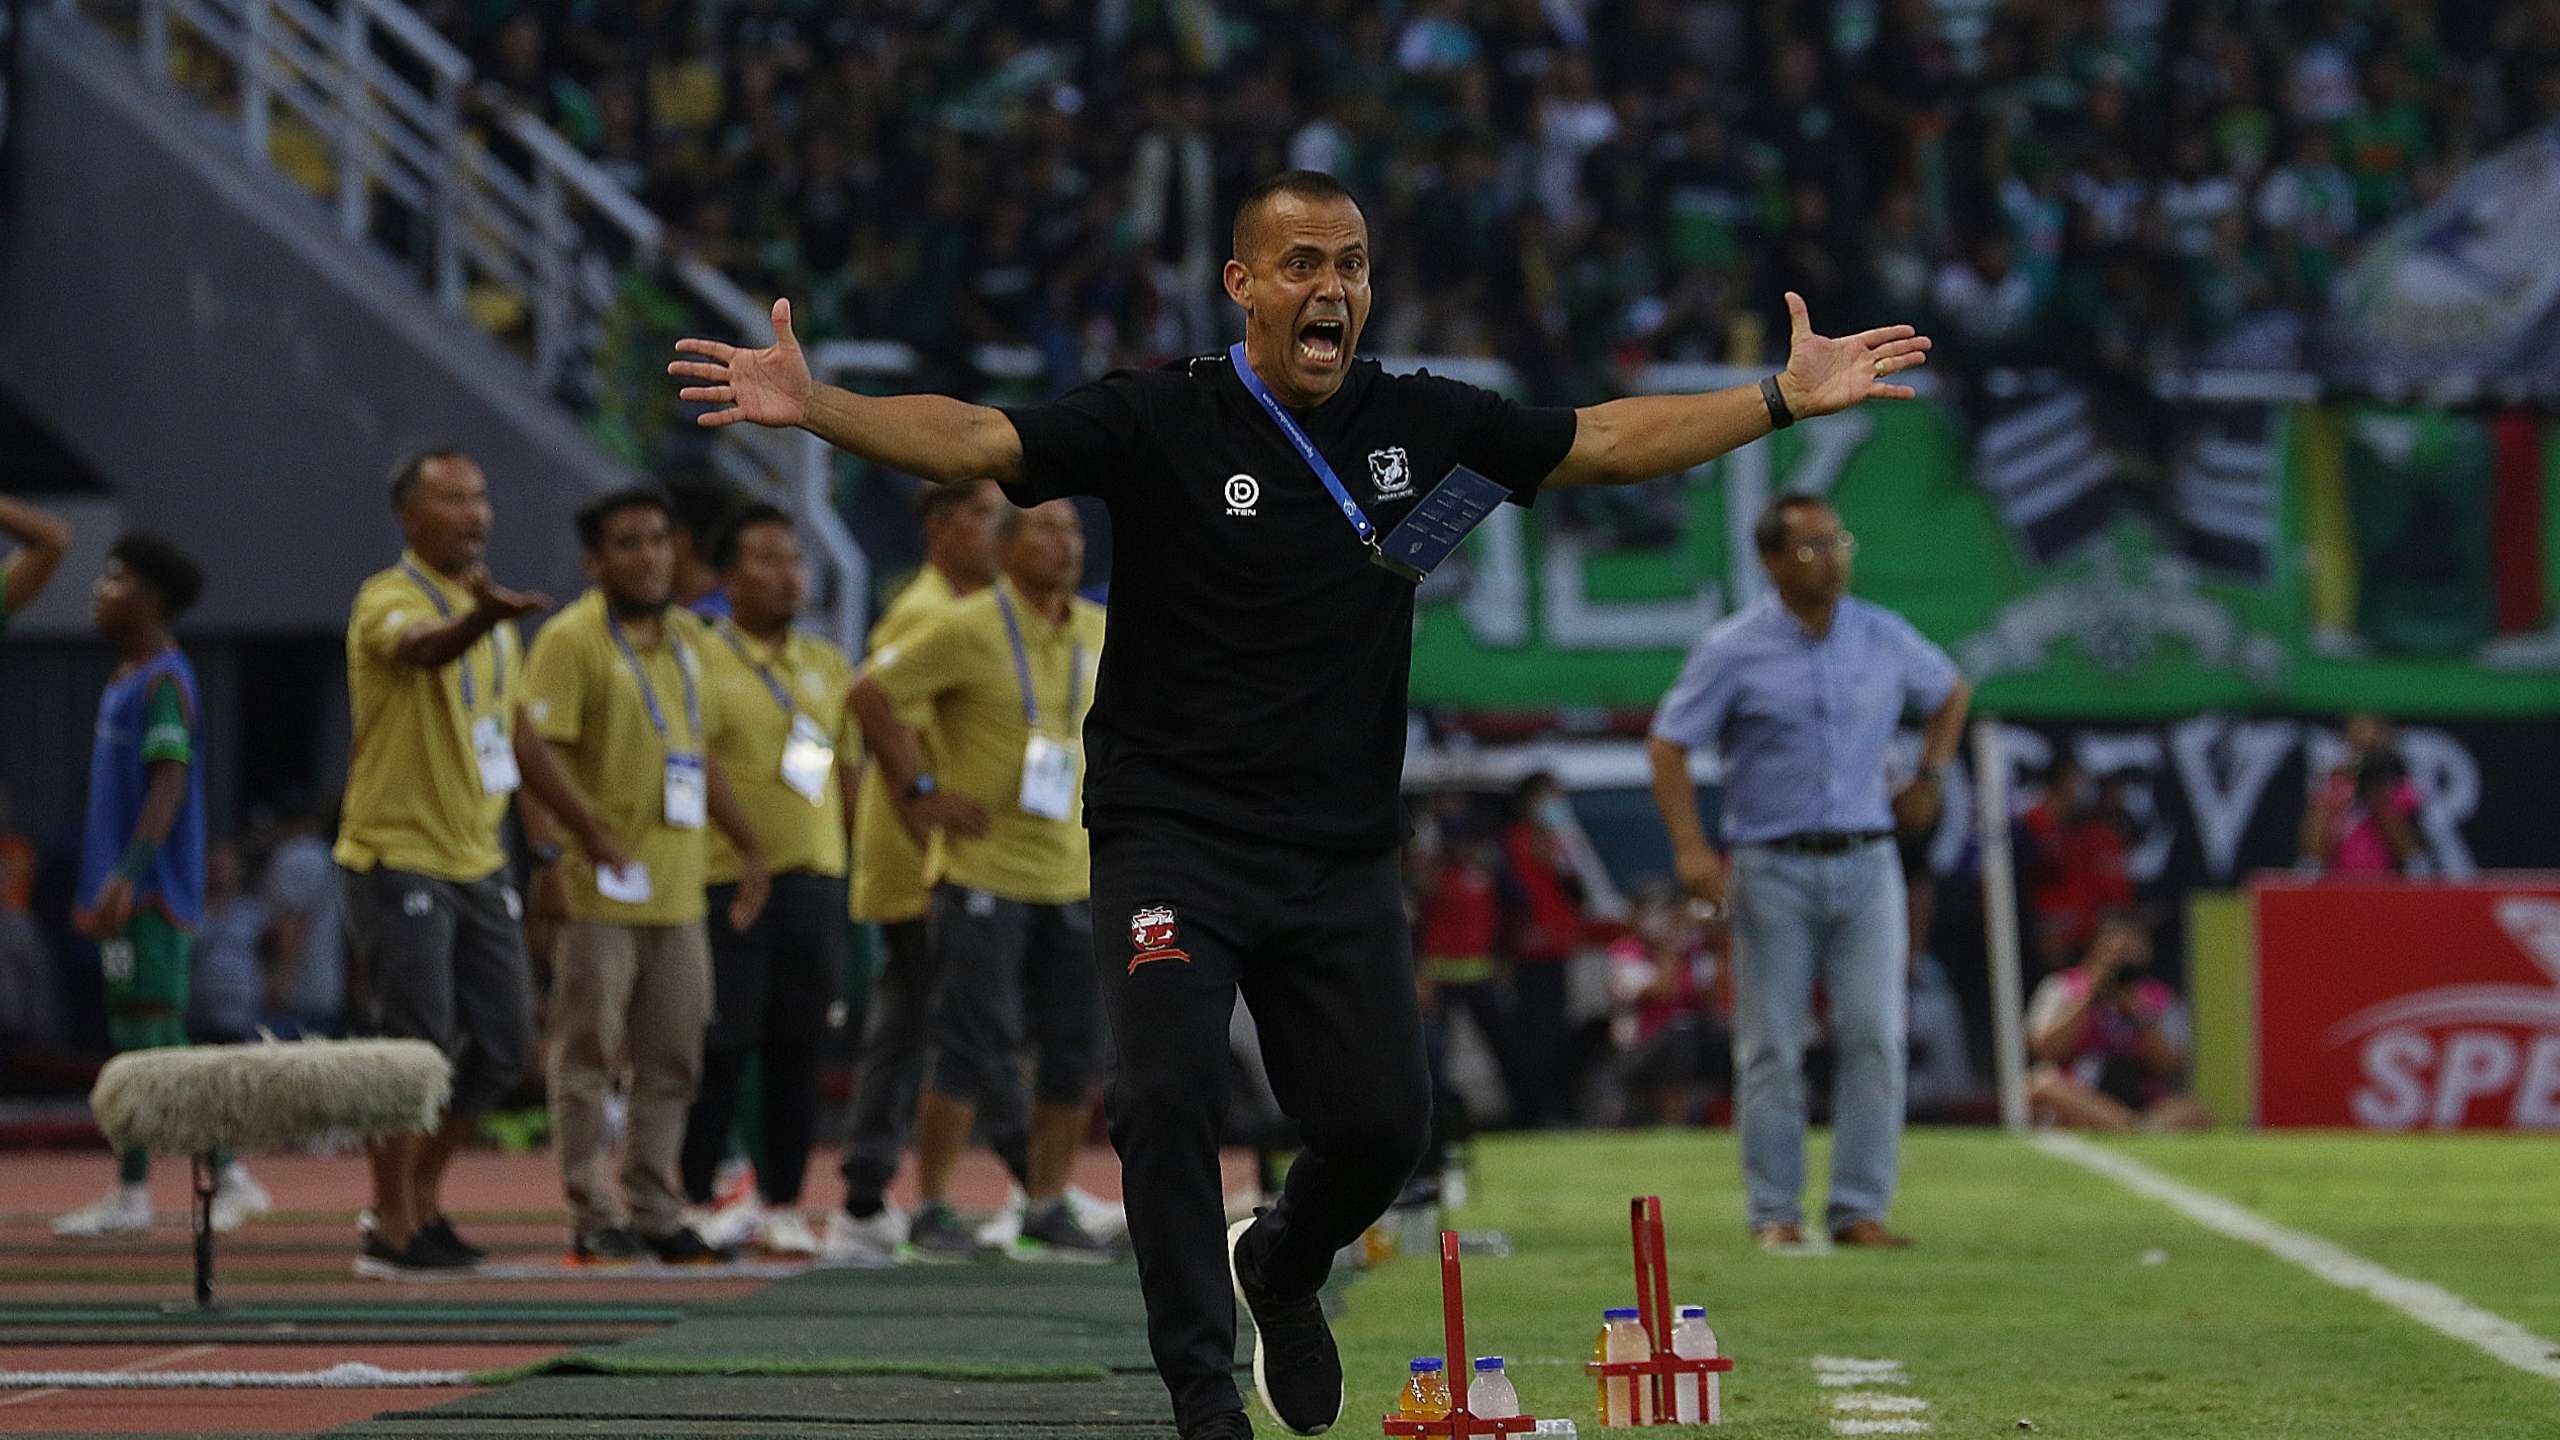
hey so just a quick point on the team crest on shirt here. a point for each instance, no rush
(1155, 933)
(1391, 472)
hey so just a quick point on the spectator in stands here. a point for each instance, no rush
(1544, 931)
(30, 996)
(1455, 969)
(41, 539)
(614, 745)
(781, 725)
(434, 948)
(2363, 815)
(2077, 837)
(306, 973)
(2109, 1042)
(227, 985)
(141, 895)
(1671, 1011)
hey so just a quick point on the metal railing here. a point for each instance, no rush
(476, 199)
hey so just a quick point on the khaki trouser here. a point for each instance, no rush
(630, 998)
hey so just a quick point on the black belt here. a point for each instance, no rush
(1826, 842)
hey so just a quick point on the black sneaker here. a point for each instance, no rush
(613, 1245)
(685, 1246)
(1050, 1235)
(413, 1261)
(440, 1233)
(938, 1234)
(1296, 1368)
(1228, 1426)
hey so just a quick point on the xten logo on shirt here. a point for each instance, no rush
(1243, 493)
(1155, 933)
(1391, 472)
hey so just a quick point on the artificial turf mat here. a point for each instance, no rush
(730, 1431)
(390, 1313)
(1016, 1406)
(757, 1343)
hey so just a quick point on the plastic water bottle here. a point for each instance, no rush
(1691, 1339)
(1625, 1400)
(1489, 1395)
(1426, 1395)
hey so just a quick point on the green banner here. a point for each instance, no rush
(2316, 558)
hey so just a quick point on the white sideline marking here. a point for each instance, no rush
(1842, 1364)
(1873, 1403)
(2436, 1308)
(351, 1375)
(1841, 1372)
(167, 1357)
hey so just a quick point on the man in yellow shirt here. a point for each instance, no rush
(437, 948)
(1008, 675)
(890, 890)
(780, 729)
(615, 745)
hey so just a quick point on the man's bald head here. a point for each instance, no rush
(1312, 186)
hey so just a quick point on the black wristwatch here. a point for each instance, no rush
(921, 786)
(1780, 417)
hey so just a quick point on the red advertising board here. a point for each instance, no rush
(2385, 1006)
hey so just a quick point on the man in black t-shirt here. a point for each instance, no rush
(1247, 732)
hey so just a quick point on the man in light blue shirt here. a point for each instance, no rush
(1800, 692)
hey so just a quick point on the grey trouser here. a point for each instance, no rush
(632, 998)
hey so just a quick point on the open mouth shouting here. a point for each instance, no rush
(1323, 344)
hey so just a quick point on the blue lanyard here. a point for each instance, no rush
(649, 693)
(497, 647)
(1022, 665)
(764, 672)
(1306, 448)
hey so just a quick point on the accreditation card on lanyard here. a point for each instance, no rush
(489, 743)
(808, 756)
(1430, 532)
(687, 792)
(1048, 763)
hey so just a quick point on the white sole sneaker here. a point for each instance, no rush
(1261, 1380)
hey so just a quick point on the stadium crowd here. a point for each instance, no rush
(1574, 186)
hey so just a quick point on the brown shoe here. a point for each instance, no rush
(1871, 1235)
(1778, 1235)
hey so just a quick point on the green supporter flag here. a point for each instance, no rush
(2419, 492)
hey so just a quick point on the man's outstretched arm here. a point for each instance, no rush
(1638, 438)
(934, 436)
(42, 538)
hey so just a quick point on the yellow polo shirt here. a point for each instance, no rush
(414, 800)
(889, 868)
(961, 664)
(752, 732)
(584, 697)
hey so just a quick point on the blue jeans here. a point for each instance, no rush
(1838, 919)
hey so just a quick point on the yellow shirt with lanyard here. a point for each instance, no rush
(629, 721)
(1009, 691)
(893, 876)
(432, 763)
(781, 732)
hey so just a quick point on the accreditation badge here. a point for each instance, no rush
(497, 757)
(1048, 778)
(808, 760)
(688, 793)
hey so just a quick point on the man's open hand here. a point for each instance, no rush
(1824, 375)
(768, 387)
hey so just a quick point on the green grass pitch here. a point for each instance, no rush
(2039, 1293)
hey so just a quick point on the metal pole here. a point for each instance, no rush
(206, 1178)
(2000, 921)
